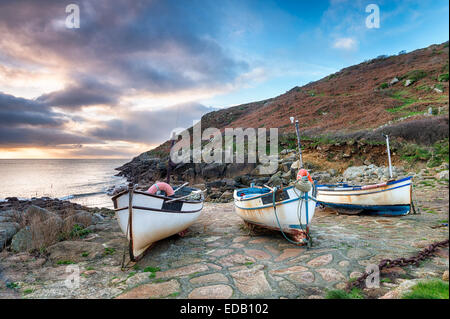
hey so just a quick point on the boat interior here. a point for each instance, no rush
(252, 191)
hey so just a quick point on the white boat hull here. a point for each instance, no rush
(152, 219)
(391, 198)
(293, 214)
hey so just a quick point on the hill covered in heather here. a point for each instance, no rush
(404, 95)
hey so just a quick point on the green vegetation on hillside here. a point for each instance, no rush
(434, 156)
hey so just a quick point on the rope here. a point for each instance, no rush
(278, 221)
(299, 216)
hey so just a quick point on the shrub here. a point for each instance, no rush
(383, 85)
(414, 75)
(355, 293)
(151, 269)
(443, 77)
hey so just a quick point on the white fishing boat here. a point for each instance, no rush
(389, 198)
(146, 218)
(290, 211)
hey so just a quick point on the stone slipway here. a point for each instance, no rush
(220, 258)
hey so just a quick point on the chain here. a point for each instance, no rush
(401, 262)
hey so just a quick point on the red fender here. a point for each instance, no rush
(161, 186)
(304, 172)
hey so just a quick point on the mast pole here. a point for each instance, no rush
(297, 130)
(389, 156)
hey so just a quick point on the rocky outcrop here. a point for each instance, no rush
(370, 172)
(33, 224)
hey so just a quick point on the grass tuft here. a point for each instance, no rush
(433, 289)
(355, 293)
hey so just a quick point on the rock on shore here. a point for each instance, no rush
(31, 224)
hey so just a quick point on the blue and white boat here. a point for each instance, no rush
(392, 198)
(290, 211)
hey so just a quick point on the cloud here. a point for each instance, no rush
(84, 93)
(18, 136)
(345, 44)
(16, 111)
(121, 53)
(149, 127)
(156, 46)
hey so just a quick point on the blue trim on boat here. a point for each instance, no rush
(269, 205)
(394, 210)
(258, 191)
(359, 194)
(341, 187)
(399, 180)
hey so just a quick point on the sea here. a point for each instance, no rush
(83, 181)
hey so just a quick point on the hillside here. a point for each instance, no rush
(358, 97)
(392, 95)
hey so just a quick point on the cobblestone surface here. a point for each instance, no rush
(221, 258)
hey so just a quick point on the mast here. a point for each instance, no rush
(297, 130)
(169, 161)
(389, 155)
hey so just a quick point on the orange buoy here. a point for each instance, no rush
(161, 186)
(303, 172)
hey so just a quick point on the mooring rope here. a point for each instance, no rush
(278, 221)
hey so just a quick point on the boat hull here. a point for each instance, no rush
(293, 214)
(153, 218)
(391, 198)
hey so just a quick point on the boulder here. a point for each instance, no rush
(213, 170)
(443, 175)
(80, 217)
(7, 231)
(408, 82)
(235, 169)
(226, 197)
(23, 240)
(38, 213)
(321, 176)
(97, 218)
(393, 81)
(275, 180)
(295, 165)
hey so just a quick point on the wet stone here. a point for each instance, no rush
(236, 259)
(287, 287)
(321, 260)
(330, 274)
(212, 292)
(183, 271)
(357, 253)
(208, 279)
(251, 282)
(305, 277)
(289, 253)
(147, 291)
(241, 239)
(257, 253)
(220, 252)
(290, 270)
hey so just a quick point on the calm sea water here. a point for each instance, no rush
(82, 181)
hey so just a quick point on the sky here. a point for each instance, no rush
(133, 71)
